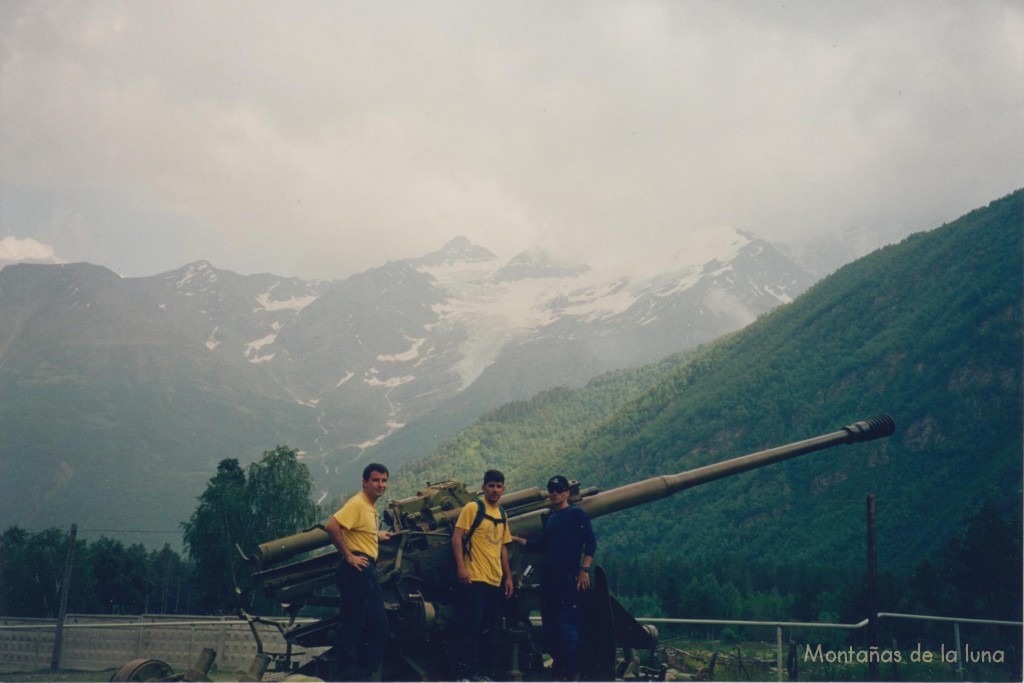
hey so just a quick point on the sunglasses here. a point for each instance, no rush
(555, 489)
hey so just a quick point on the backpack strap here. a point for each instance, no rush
(480, 515)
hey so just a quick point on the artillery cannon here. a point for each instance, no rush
(418, 577)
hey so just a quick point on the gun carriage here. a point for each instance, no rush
(418, 577)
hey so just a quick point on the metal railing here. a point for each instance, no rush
(178, 642)
(779, 625)
(230, 624)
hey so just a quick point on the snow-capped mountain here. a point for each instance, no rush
(150, 381)
(246, 311)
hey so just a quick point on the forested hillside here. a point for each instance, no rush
(928, 330)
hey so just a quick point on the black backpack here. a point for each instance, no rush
(480, 514)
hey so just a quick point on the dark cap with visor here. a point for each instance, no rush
(557, 484)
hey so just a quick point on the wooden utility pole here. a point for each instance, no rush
(65, 583)
(872, 590)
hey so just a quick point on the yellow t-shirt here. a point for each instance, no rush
(358, 520)
(484, 561)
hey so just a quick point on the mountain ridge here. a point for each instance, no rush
(928, 330)
(150, 381)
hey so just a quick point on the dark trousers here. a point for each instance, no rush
(478, 608)
(559, 611)
(363, 624)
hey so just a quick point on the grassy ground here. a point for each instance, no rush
(911, 672)
(753, 661)
(64, 676)
(745, 661)
(83, 676)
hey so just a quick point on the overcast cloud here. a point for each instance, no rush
(318, 139)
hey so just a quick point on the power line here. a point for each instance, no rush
(133, 531)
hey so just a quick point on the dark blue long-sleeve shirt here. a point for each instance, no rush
(568, 535)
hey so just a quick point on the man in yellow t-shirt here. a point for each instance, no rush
(481, 560)
(363, 626)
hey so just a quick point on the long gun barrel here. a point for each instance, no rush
(435, 510)
(417, 578)
(654, 488)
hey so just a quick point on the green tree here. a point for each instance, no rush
(12, 543)
(239, 509)
(106, 576)
(645, 605)
(32, 568)
(168, 581)
(119, 572)
(989, 546)
(278, 492)
(210, 535)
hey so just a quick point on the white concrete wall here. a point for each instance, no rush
(94, 643)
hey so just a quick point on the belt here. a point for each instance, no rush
(373, 560)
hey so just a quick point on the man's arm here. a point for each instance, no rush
(583, 576)
(506, 569)
(587, 533)
(460, 563)
(530, 543)
(589, 548)
(334, 532)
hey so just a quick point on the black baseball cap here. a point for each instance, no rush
(557, 484)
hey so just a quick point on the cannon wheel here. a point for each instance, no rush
(143, 670)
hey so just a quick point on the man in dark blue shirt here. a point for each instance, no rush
(569, 545)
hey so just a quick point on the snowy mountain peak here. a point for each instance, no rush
(710, 244)
(456, 250)
(536, 263)
(201, 271)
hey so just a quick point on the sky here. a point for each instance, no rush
(319, 139)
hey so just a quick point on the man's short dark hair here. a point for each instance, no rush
(374, 467)
(494, 475)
